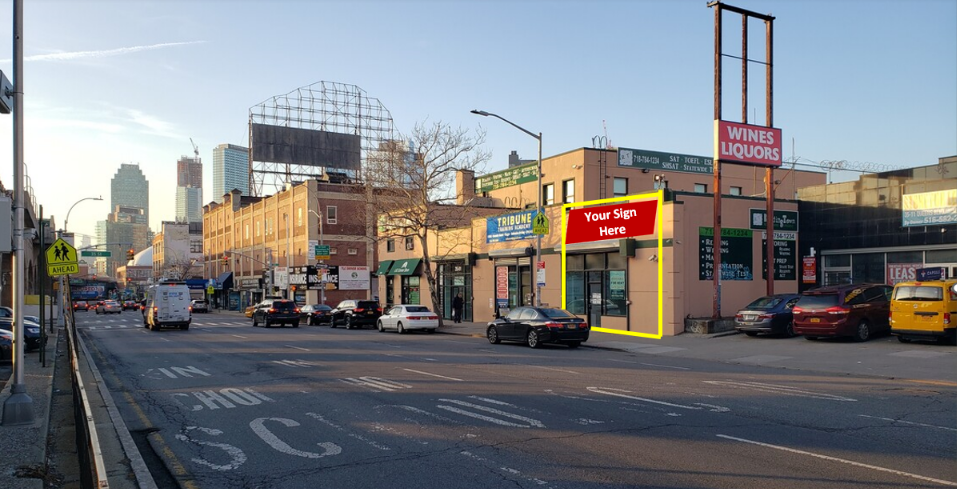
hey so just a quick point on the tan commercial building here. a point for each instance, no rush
(613, 283)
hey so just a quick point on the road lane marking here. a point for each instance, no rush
(239, 336)
(530, 422)
(621, 393)
(375, 383)
(297, 348)
(909, 422)
(509, 471)
(835, 459)
(780, 389)
(373, 443)
(295, 363)
(433, 375)
(664, 366)
(259, 428)
(556, 369)
(935, 382)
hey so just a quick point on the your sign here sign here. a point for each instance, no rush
(747, 144)
(611, 221)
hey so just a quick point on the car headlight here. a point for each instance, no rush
(33, 330)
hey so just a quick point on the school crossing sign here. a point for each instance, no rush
(61, 259)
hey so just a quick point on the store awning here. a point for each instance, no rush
(225, 281)
(405, 267)
(384, 267)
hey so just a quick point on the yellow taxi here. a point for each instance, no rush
(925, 310)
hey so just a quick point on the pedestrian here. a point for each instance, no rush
(457, 304)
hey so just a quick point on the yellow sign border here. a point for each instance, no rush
(660, 198)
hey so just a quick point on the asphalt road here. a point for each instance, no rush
(228, 405)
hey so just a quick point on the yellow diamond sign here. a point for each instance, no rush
(61, 259)
(540, 224)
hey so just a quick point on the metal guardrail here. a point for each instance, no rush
(92, 468)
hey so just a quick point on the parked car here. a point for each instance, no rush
(276, 311)
(6, 345)
(925, 311)
(407, 317)
(31, 337)
(315, 314)
(200, 306)
(356, 313)
(108, 307)
(81, 306)
(855, 310)
(768, 314)
(537, 325)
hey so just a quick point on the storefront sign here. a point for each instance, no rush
(785, 256)
(902, 272)
(925, 274)
(354, 278)
(249, 283)
(611, 222)
(783, 220)
(509, 227)
(281, 277)
(930, 208)
(809, 270)
(654, 160)
(330, 278)
(747, 144)
(507, 178)
(501, 286)
(736, 254)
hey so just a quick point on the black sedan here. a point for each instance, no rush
(31, 338)
(316, 314)
(537, 325)
(768, 314)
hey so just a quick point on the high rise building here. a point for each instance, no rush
(230, 170)
(189, 189)
(129, 188)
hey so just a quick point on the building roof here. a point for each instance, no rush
(143, 258)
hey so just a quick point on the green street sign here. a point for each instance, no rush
(322, 252)
(95, 253)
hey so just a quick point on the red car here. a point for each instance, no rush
(855, 310)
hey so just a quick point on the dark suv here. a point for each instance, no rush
(356, 313)
(855, 310)
(276, 311)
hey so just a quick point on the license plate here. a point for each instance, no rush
(748, 317)
(815, 320)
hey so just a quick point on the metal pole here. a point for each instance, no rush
(18, 408)
(716, 236)
(538, 247)
(41, 267)
(322, 286)
(769, 171)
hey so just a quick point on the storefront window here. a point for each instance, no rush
(410, 290)
(868, 267)
(455, 278)
(834, 261)
(906, 257)
(942, 256)
(575, 293)
(601, 291)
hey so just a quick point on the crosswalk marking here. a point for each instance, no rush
(529, 422)
(376, 384)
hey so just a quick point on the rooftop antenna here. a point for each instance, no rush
(607, 141)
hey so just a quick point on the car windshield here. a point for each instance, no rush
(557, 313)
(416, 309)
(919, 293)
(817, 301)
(765, 303)
(284, 305)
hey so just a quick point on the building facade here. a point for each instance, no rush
(129, 188)
(230, 170)
(189, 189)
(174, 255)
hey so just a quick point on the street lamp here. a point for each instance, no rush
(322, 286)
(65, 221)
(538, 205)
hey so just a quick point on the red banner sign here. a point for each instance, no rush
(744, 143)
(901, 272)
(611, 222)
(809, 270)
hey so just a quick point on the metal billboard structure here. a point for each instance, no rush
(323, 131)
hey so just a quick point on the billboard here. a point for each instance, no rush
(307, 147)
(930, 208)
(747, 144)
(658, 161)
(509, 227)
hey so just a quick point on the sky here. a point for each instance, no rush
(869, 82)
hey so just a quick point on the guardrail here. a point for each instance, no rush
(92, 468)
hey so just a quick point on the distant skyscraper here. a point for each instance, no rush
(129, 188)
(230, 170)
(189, 189)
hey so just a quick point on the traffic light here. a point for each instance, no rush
(293, 288)
(130, 254)
(225, 260)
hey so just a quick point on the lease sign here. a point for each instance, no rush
(611, 222)
(744, 143)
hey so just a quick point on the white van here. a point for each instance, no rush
(167, 305)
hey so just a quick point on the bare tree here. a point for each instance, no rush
(415, 193)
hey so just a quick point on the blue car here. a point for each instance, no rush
(769, 314)
(6, 345)
(31, 339)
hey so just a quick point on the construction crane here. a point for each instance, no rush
(195, 148)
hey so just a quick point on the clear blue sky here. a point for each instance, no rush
(111, 82)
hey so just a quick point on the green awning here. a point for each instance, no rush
(384, 267)
(405, 267)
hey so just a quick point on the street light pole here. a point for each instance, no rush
(322, 286)
(538, 245)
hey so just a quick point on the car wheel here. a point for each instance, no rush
(332, 322)
(789, 329)
(902, 339)
(348, 322)
(267, 324)
(532, 339)
(574, 344)
(863, 332)
(184, 327)
(295, 324)
(751, 333)
(400, 328)
(380, 326)
(255, 323)
(492, 335)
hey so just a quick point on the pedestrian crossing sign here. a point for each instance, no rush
(540, 224)
(61, 259)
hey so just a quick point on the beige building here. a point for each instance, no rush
(177, 254)
(613, 283)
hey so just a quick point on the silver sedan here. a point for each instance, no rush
(406, 317)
